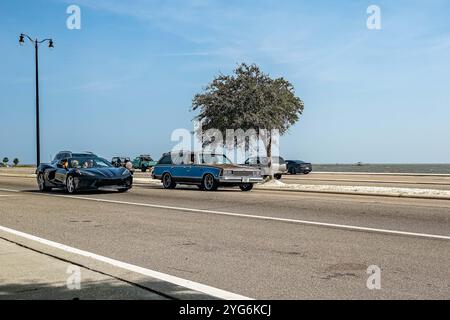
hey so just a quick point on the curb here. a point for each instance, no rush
(391, 195)
(385, 173)
(293, 178)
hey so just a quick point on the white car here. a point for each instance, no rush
(279, 166)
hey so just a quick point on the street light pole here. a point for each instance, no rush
(38, 136)
(36, 48)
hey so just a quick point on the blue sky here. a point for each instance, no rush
(125, 81)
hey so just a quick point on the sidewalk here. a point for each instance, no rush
(27, 274)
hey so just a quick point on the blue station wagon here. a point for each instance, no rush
(207, 171)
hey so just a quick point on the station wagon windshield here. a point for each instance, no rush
(215, 159)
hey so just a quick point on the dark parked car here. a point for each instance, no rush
(84, 172)
(298, 166)
(207, 171)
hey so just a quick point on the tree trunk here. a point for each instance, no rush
(267, 141)
(269, 157)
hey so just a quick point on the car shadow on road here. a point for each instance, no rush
(105, 289)
(62, 192)
(195, 189)
(100, 192)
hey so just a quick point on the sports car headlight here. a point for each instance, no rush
(126, 172)
(85, 173)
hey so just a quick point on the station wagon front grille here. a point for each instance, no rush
(242, 173)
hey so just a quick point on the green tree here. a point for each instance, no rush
(16, 161)
(248, 99)
(5, 160)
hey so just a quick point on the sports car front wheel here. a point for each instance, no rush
(41, 183)
(70, 185)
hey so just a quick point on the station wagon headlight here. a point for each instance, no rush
(227, 172)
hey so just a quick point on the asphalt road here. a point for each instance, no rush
(204, 237)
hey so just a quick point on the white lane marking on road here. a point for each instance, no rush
(215, 292)
(242, 215)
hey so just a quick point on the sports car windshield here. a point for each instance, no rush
(86, 163)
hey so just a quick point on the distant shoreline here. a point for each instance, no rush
(436, 168)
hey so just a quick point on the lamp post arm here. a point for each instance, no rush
(29, 38)
(44, 40)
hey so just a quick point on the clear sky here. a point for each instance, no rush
(122, 83)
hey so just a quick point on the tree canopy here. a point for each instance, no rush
(248, 99)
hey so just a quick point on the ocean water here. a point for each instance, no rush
(384, 168)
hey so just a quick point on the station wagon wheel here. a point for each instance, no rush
(70, 184)
(209, 183)
(167, 181)
(246, 187)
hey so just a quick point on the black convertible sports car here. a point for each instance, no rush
(87, 172)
